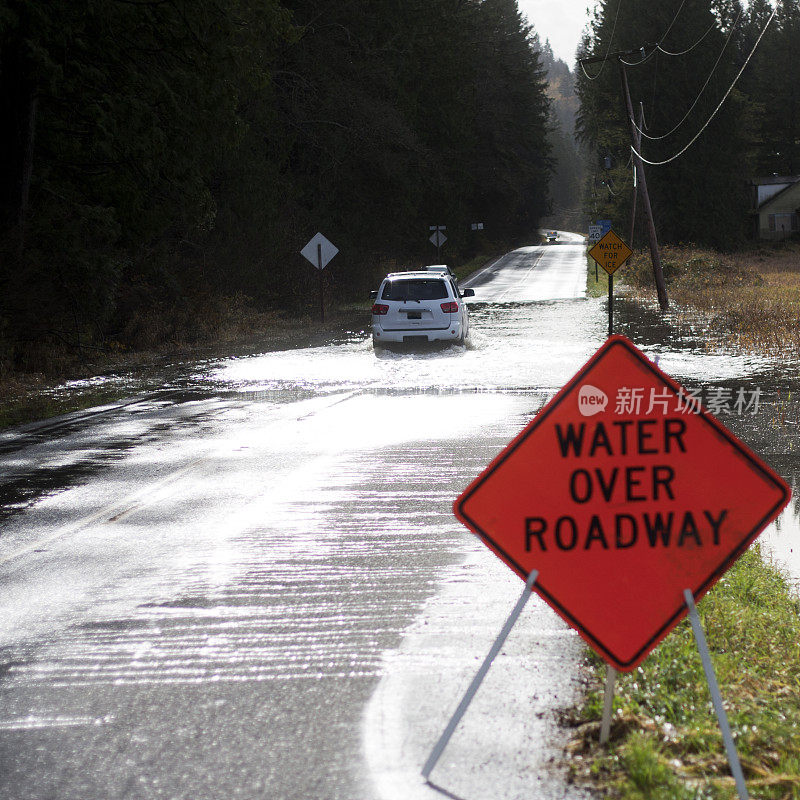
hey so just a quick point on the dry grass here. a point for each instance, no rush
(221, 326)
(749, 299)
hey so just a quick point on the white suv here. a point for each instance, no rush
(415, 307)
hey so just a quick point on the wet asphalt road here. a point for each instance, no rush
(255, 588)
(530, 274)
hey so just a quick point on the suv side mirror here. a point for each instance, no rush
(373, 295)
(468, 293)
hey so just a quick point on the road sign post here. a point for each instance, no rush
(438, 238)
(320, 267)
(716, 697)
(608, 704)
(319, 251)
(610, 253)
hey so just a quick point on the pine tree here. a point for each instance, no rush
(699, 195)
(786, 110)
(158, 151)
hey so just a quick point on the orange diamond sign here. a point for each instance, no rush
(622, 492)
(611, 252)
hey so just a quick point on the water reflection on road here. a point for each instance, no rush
(523, 349)
(535, 348)
(512, 347)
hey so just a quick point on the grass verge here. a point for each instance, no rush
(749, 299)
(23, 403)
(596, 279)
(665, 741)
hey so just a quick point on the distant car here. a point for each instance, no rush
(551, 236)
(418, 307)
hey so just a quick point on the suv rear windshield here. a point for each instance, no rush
(415, 289)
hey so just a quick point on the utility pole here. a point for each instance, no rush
(655, 255)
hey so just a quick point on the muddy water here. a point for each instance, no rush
(517, 348)
(770, 426)
(533, 349)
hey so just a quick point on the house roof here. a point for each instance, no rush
(772, 180)
(779, 195)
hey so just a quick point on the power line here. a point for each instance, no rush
(644, 60)
(700, 93)
(660, 49)
(716, 110)
(677, 14)
(645, 57)
(689, 49)
(608, 186)
(608, 52)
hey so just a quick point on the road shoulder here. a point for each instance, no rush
(509, 744)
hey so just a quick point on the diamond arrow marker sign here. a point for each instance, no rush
(622, 493)
(319, 251)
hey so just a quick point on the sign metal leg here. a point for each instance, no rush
(478, 679)
(716, 697)
(610, 305)
(608, 702)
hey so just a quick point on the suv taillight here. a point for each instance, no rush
(450, 308)
(379, 310)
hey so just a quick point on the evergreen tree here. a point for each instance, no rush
(157, 152)
(760, 87)
(511, 163)
(698, 196)
(567, 182)
(785, 113)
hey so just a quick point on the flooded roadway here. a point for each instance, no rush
(253, 586)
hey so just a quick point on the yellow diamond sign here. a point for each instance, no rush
(611, 252)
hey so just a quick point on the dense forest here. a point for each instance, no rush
(692, 53)
(161, 154)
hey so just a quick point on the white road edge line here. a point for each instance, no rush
(522, 280)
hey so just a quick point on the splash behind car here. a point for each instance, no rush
(419, 307)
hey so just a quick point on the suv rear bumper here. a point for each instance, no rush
(451, 333)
